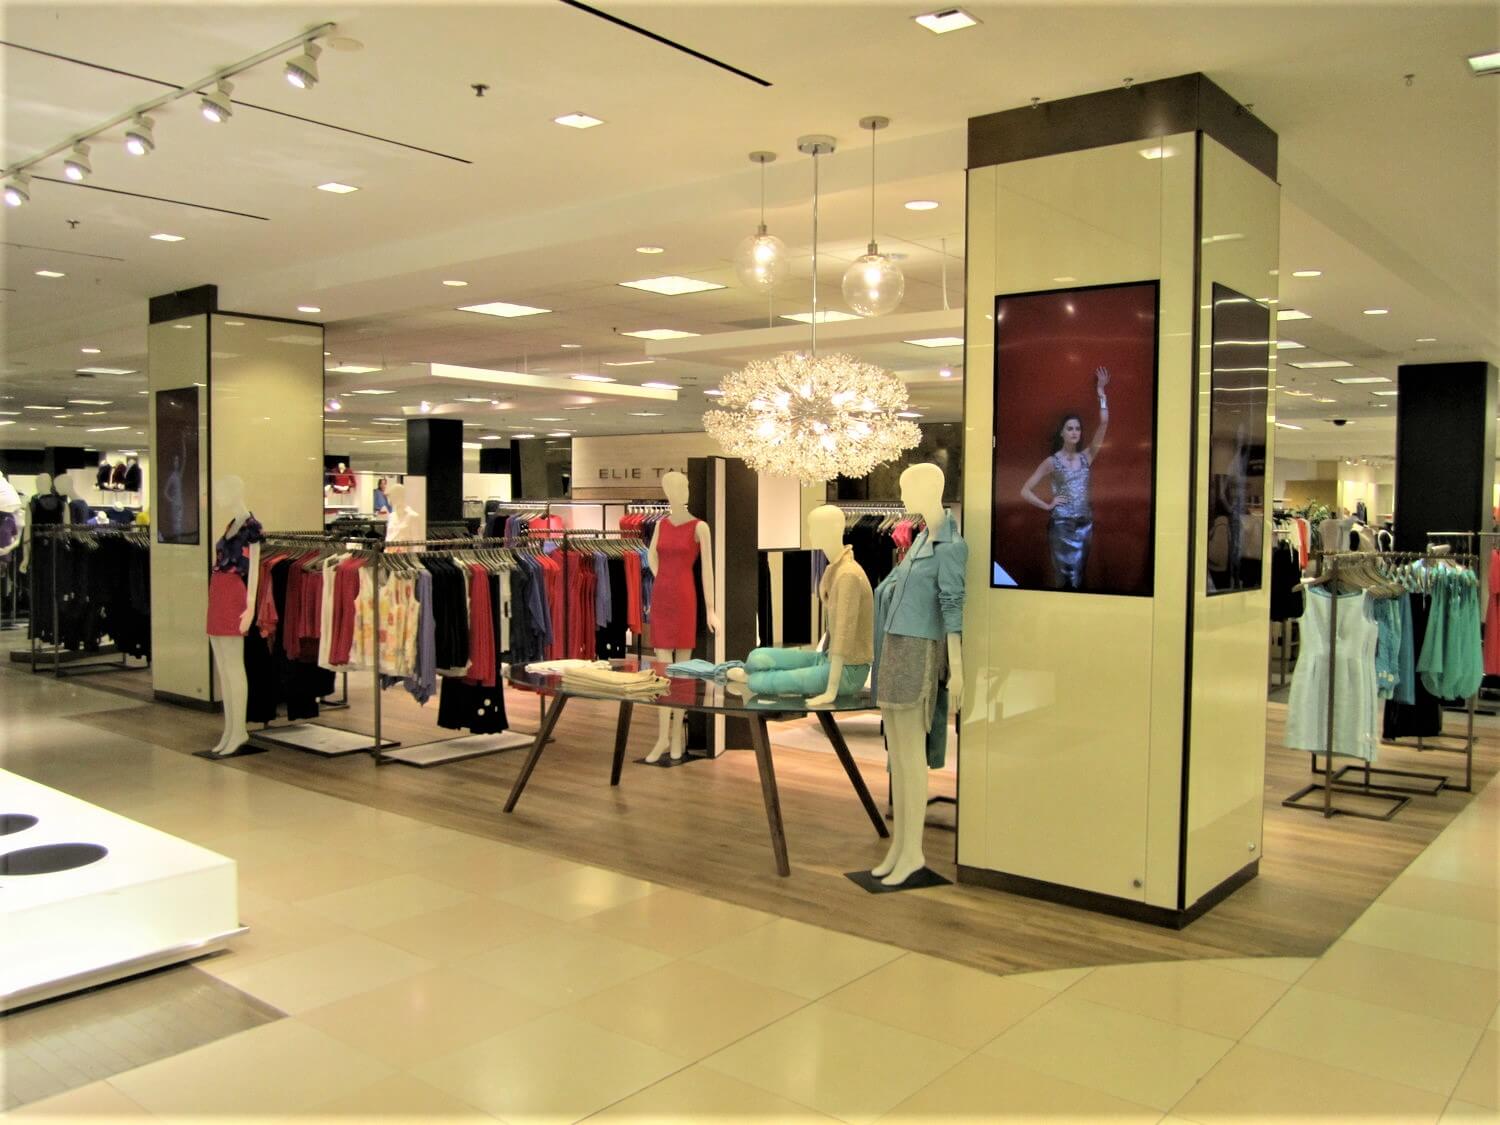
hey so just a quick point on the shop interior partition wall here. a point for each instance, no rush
(1111, 748)
(260, 395)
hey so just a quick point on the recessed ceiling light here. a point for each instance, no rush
(337, 188)
(1286, 345)
(41, 408)
(1426, 339)
(1385, 394)
(945, 20)
(713, 392)
(659, 334)
(484, 400)
(546, 419)
(1286, 426)
(922, 205)
(105, 429)
(645, 413)
(352, 369)
(1158, 152)
(309, 309)
(1487, 62)
(90, 401)
(1292, 314)
(390, 422)
(8, 422)
(1315, 364)
(570, 345)
(373, 391)
(50, 273)
(1064, 280)
(671, 285)
(907, 414)
(594, 378)
(162, 236)
(89, 351)
(825, 316)
(578, 120)
(650, 249)
(1325, 400)
(628, 362)
(503, 308)
(489, 437)
(561, 433)
(945, 372)
(183, 327)
(454, 283)
(938, 342)
(241, 324)
(1377, 312)
(520, 437)
(1307, 273)
(107, 371)
(662, 386)
(91, 413)
(1364, 379)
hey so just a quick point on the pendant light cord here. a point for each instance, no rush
(872, 184)
(762, 195)
(815, 258)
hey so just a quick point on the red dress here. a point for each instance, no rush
(674, 595)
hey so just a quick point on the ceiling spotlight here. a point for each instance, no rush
(139, 140)
(578, 120)
(945, 372)
(302, 70)
(921, 204)
(76, 164)
(216, 106)
(946, 20)
(650, 249)
(18, 190)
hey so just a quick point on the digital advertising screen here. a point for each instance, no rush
(176, 511)
(1240, 385)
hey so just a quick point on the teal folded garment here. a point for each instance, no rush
(703, 669)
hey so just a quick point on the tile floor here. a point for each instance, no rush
(431, 975)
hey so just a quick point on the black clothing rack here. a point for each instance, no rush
(57, 536)
(1400, 796)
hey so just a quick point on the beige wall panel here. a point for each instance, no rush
(1241, 229)
(177, 356)
(981, 687)
(1174, 407)
(266, 397)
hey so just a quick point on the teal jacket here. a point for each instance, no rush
(924, 596)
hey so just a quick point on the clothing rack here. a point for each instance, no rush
(10, 583)
(86, 536)
(1329, 564)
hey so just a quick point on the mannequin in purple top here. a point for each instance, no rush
(235, 576)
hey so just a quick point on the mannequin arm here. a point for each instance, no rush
(706, 563)
(955, 672)
(651, 559)
(252, 586)
(26, 547)
(835, 674)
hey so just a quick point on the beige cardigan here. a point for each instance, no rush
(848, 610)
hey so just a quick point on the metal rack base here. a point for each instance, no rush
(1295, 802)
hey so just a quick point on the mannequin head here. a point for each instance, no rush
(63, 485)
(825, 530)
(396, 494)
(229, 498)
(675, 485)
(43, 483)
(343, 467)
(922, 492)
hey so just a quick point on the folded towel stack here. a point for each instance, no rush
(626, 685)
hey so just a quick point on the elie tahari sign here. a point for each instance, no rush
(630, 467)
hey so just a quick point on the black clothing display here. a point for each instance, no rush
(450, 613)
(45, 510)
(874, 549)
(471, 707)
(1423, 718)
(1286, 574)
(133, 477)
(610, 639)
(787, 621)
(275, 681)
(101, 478)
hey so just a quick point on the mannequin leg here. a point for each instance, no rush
(669, 722)
(908, 752)
(233, 689)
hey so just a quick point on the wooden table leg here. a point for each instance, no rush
(846, 759)
(762, 743)
(549, 720)
(622, 733)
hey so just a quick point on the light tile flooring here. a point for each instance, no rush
(432, 975)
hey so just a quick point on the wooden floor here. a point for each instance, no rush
(702, 828)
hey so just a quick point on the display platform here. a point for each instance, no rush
(87, 896)
(330, 742)
(458, 749)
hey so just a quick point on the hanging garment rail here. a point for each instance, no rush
(86, 537)
(1330, 567)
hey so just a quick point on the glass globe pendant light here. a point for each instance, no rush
(873, 284)
(761, 261)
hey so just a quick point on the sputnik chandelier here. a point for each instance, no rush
(810, 416)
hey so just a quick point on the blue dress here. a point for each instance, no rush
(1070, 527)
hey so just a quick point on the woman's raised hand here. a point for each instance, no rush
(1101, 378)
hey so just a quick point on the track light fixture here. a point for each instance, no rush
(139, 138)
(18, 190)
(216, 106)
(302, 70)
(76, 164)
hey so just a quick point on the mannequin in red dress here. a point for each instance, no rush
(679, 541)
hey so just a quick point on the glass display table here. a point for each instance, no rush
(708, 697)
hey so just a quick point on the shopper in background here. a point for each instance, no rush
(382, 505)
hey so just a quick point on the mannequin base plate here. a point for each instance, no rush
(666, 761)
(922, 877)
(239, 752)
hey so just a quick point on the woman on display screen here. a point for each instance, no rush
(1070, 526)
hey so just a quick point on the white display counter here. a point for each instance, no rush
(129, 898)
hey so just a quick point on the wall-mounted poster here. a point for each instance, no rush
(1075, 440)
(176, 512)
(1241, 383)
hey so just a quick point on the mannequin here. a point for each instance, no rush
(78, 508)
(842, 663)
(679, 539)
(232, 587)
(47, 509)
(405, 522)
(918, 613)
(343, 479)
(132, 475)
(11, 520)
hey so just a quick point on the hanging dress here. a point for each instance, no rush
(674, 594)
(1355, 688)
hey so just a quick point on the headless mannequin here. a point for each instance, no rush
(404, 522)
(44, 485)
(675, 485)
(905, 729)
(10, 503)
(825, 532)
(231, 512)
